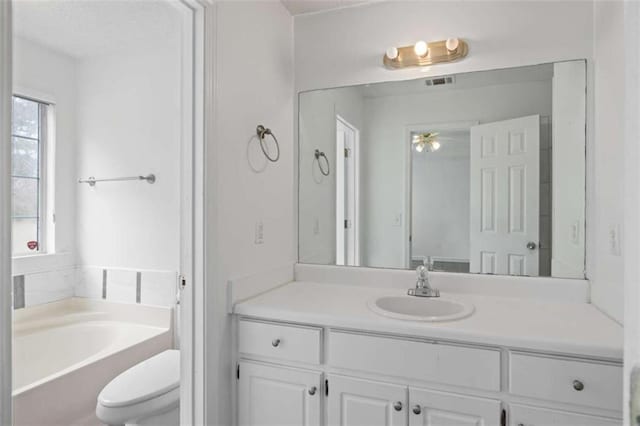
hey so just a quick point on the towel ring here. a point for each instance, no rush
(319, 154)
(261, 131)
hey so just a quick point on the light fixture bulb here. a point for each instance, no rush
(421, 48)
(435, 145)
(452, 44)
(419, 147)
(392, 53)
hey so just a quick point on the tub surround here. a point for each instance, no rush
(146, 287)
(520, 358)
(101, 340)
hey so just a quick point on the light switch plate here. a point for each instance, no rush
(259, 236)
(615, 247)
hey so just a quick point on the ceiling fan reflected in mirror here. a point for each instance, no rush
(428, 141)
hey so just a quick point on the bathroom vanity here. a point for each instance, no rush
(317, 354)
(479, 177)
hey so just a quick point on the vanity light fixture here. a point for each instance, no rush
(423, 53)
(421, 49)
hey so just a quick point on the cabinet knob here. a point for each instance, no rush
(312, 390)
(578, 385)
(275, 343)
(398, 406)
(417, 409)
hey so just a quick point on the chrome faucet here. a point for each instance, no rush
(423, 288)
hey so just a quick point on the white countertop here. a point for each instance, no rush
(539, 325)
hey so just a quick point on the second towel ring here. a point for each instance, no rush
(261, 131)
(319, 154)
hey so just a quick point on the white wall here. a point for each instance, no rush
(317, 209)
(632, 195)
(345, 47)
(253, 72)
(569, 124)
(604, 268)
(50, 76)
(384, 158)
(128, 119)
(440, 190)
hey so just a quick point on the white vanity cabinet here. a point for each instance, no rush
(278, 396)
(298, 374)
(533, 416)
(360, 402)
(434, 408)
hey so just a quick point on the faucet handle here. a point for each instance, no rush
(423, 272)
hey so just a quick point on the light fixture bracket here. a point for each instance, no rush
(437, 53)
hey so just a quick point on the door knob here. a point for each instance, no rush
(417, 409)
(275, 343)
(397, 406)
(578, 385)
(313, 390)
(531, 245)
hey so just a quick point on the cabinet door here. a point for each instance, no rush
(433, 408)
(277, 396)
(522, 415)
(357, 402)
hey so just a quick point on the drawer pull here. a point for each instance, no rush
(398, 406)
(578, 385)
(313, 390)
(275, 343)
(417, 409)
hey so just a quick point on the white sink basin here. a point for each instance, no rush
(414, 308)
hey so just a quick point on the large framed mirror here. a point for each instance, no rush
(480, 172)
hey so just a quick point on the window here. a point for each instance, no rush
(28, 136)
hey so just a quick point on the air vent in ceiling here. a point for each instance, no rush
(440, 81)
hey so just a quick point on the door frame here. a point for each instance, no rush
(356, 191)
(197, 15)
(6, 40)
(196, 69)
(408, 167)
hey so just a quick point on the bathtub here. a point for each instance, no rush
(65, 352)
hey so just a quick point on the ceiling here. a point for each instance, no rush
(84, 28)
(300, 7)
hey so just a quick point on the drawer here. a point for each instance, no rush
(522, 415)
(286, 342)
(434, 362)
(566, 380)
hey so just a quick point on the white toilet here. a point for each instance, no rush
(146, 394)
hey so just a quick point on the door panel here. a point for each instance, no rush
(275, 396)
(357, 402)
(505, 197)
(432, 408)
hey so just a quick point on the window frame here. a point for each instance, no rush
(44, 115)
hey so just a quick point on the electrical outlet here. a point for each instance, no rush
(259, 237)
(615, 247)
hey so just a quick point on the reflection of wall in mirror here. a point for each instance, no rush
(440, 200)
(317, 204)
(384, 158)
